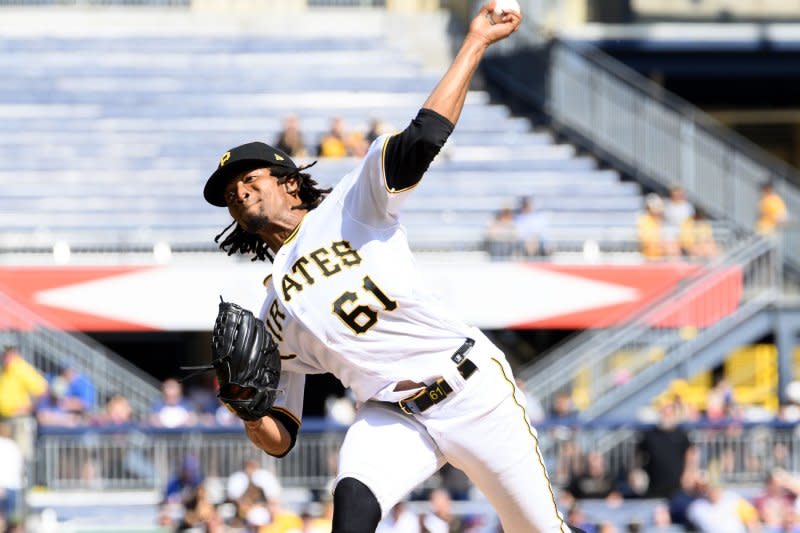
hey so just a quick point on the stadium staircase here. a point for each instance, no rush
(682, 333)
(49, 347)
(637, 127)
(659, 140)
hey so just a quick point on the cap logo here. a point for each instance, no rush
(224, 158)
(277, 157)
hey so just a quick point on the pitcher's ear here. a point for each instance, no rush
(292, 185)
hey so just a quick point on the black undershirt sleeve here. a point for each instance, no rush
(409, 153)
(289, 423)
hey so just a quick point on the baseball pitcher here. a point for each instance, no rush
(344, 296)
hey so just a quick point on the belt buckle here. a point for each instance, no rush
(405, 403)
(405, 407)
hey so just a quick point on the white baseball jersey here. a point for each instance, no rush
(345, 295)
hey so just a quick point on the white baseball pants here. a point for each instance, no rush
(482, 428)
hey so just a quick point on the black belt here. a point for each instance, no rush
(440, 389)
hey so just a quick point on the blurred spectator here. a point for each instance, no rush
(117, 412)
(678, 394)
(771, 210)
(790, 410)
(780, 456)
(199, 510)
(333, 142)
(79, 394)
(440, 518)
(594, 481)
(680, 500)
(607, 527)
(634, 484)
(533, 228)
(290, 139)
(502, 235)
(399, 520)
(696, 237)
(172, 411)
(224, 417)
(11, 473)
(51, 410)
(21, 385)
(202, 398)
(183, 485)
(677, 209)
(337, 142)
(340, 410)
(563, 409)
(376, 129)
(719, 401)
(721, 511)
(324, 522)
(281, 520)
(251, 507)
(656, 240)
(252, 474)
(307, 524)
(775, 504)
(662, 452)
(576, 517)
(661, 521)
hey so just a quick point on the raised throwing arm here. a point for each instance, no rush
(448, 97)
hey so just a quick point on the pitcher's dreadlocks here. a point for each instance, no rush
(242, 242)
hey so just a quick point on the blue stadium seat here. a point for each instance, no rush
(113, 149)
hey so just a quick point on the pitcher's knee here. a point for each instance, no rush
(355, 508)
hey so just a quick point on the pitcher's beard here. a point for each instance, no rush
(256, 223)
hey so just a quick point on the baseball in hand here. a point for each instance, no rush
(501, 7)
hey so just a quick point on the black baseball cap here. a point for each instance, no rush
(241, 159)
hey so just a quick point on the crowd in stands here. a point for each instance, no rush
(688, 485)
(248, 501)
(687, 491)
(680, 490)
(251, 501)
(674, 229)
(667, 229)
(522, 232)
(338, 141)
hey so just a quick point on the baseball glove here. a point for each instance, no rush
(246, 360)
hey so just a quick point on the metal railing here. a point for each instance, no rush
(134, 458)
(145, 459)
(665, 332)
(48, 348)
(658, 137)
(737, 454)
